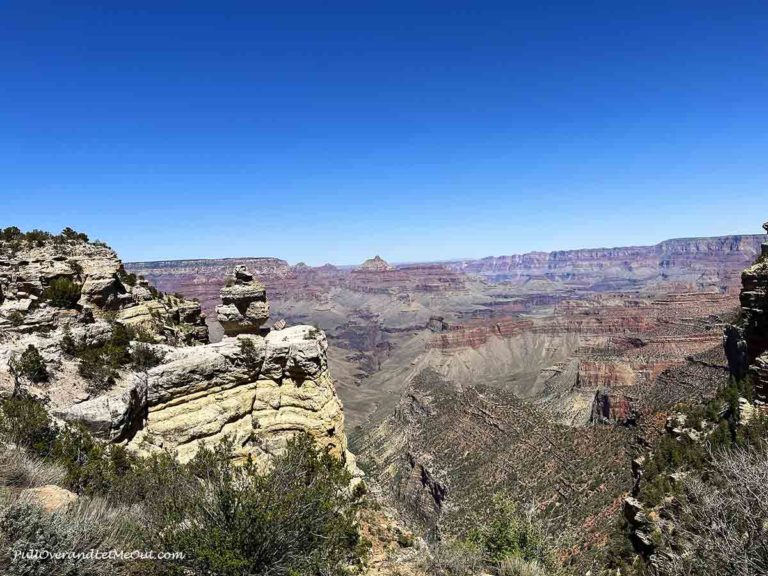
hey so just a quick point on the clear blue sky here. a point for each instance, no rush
(332, 131)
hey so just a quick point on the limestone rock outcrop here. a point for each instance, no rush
(259, 388)
(244, 307)
(100, 287)
(258, 391)
(113, 416)
(746, 344)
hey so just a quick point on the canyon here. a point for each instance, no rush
(511, 320)
(525, 373)
(438, 385)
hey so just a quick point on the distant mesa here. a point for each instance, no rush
(376, 264)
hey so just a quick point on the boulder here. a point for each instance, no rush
(113, 416)
(49, 497)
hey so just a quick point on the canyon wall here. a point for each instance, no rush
(698, 262)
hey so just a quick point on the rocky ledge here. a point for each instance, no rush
(258, 391)
(53, 282)
(257, 387)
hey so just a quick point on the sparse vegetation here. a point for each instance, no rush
(30, 365)
(296, 518)
(16, 318)
(684, 454)
(248, 350)
(723, 517)
(511, 534)
(707, 467)
(144, 357)
(127, 278)
(20, 469)
(89, 524)
(100, 364)
(505, 541)
(70, 234)
(62, 293)
(14, 238)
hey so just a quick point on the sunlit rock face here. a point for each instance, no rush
(244, 305)
(256, 387)
(257, 391)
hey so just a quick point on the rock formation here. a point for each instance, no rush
(244, 304)
(376, 264)
(746, 343)
(258, 388)
(99, 286)
(696, 262)
(259, 391)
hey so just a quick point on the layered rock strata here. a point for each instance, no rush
(696, 262)
(258, 391)
(244, 305)
(100, 288)
(258, 388)
(746, 343)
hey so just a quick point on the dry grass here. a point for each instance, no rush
(85, 525)
(20, 469)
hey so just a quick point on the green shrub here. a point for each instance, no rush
(250, 355)
(145, 357)
(68, 345)
(295, 519)
(30, 365)
(92, 467)
(127, 278)
(37, 237)
(62, 293)
(16, 318)
(96, 366)
(10, 234)
(69, 234)
(99, 364)
(511, 534)
(455, 558)
(25, 422)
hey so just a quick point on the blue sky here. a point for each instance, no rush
(332, 131)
